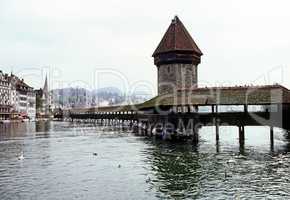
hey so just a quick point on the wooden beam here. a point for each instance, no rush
(217, 134)
(272, 138)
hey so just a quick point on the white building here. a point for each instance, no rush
(14, 97)
(31, 104)
(25, 100)
(22, 98)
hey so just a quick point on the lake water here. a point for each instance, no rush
(59, 163)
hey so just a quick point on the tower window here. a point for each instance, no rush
(168, 69)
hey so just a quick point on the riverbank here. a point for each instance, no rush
(7, 121)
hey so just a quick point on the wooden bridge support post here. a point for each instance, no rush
(272, 138)
(245, 108)
(147, 128)
(217, 146)
(217, 134)
(195, 138)
(131, 123)
(214, 109)
(152, 128)
(241, 134)
(242, 139)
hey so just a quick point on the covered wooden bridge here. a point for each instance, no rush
(180, 115)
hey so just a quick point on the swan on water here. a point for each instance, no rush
(21, 157)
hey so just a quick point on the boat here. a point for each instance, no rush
(5, 121)
(25, 120)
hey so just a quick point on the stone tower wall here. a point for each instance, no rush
(176, 76)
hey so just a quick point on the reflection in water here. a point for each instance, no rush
(12, 130)
(181, 171)
(176, 169)
(43, 126)
(59, 162)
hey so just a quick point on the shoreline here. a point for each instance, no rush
(9, 121)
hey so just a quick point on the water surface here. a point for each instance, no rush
(59, 163)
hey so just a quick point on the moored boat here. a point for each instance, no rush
(5, 121)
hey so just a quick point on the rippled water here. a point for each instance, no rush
(59, 163)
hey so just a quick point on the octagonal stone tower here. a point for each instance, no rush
(176, 57)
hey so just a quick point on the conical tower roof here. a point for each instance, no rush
(177, 38)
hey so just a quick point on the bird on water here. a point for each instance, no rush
(21, 157)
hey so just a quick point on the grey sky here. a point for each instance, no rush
(242, 41)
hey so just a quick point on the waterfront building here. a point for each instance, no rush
(17, 100)
(4, 96)
(31, 104)
(25, 100)
(13, 93)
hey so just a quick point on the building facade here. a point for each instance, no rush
(25, 103)
(31, 104)
(18, 100)
(14, 96)
(177, 57)
(5, 106)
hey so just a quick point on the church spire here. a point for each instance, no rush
(45, 87)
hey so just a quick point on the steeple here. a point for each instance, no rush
(177, 46)
(45, 87)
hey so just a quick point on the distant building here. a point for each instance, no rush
(40, 111)
(43, 101)
(14, 97)
(23, 101)
(4, 96)
(31, 104)
(17, 98)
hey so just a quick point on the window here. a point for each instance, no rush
(231, 108)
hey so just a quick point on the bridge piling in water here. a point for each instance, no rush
(242, 134)
(192, 117)
(272, 138)
(217, 130)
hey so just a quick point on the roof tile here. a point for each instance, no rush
(177, 38)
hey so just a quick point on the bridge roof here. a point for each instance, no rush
(121, 108)
(241, 95)
(255, 95)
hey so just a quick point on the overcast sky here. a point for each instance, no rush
(243, 41)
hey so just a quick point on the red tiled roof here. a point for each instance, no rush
(177, 38)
